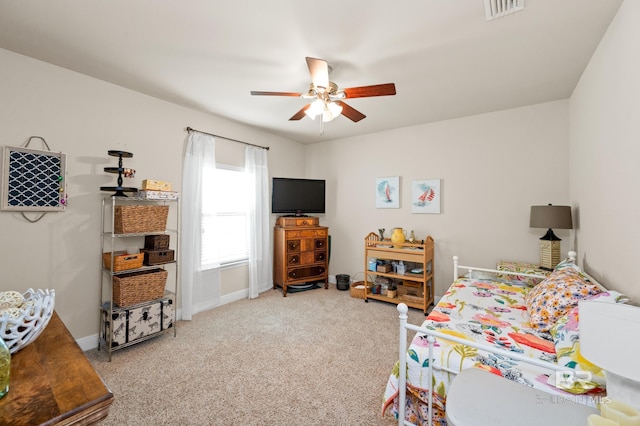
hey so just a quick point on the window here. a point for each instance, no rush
(223, 199)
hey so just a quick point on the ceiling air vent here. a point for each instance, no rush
(499, 8)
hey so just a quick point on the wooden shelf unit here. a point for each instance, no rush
(412, 253)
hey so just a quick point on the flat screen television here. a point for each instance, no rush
(299, 197)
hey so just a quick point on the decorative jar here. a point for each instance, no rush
(397, 237)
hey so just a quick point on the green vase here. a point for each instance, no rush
(5, 366)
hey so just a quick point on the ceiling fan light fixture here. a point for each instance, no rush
(331, 111)
(315, 108)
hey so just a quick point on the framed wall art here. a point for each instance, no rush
(425, 196)
(388, 192)
(33, 180)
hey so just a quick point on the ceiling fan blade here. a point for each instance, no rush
(367, 91)
(300, 114)
(350, 112)
(260, 93)
(319, 70)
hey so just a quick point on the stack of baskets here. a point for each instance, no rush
(139, 286)
(156, 250)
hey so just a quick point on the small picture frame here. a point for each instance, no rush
(425, 196)
(388, 192)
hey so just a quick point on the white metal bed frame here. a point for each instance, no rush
(431, 335)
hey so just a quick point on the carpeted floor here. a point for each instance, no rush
(318, 357)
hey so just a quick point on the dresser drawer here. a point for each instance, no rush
(306, 233)
(307, 273)
(298, 221)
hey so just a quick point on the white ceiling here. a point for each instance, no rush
(445, 58)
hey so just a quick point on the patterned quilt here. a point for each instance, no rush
(488, 311)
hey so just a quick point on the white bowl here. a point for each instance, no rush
(34, 315)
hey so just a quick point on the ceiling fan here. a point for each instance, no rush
(328, 98)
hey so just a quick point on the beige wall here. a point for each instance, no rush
(85, 117)
(493, 168)
(605, 148)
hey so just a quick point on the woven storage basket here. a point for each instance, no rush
(358, 293)
(157, 257)
(129, 289)
(123, 261)
(156, 242)
(138, 219)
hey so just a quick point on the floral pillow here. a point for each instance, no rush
(556, 295)
(566, 340)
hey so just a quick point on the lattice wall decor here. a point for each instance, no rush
(33, 180)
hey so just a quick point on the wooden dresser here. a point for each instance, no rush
(300, 252)
(53, 383)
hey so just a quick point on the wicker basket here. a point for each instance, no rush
(157, 257)
(156, 242)
(123, 261)
(129, 289)
(358, 293)
(137, 219)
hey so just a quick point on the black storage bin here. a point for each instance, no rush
(342, 281)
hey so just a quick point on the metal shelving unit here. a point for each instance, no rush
(157, 316)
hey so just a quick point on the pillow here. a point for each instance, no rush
(566, 340)
(567, 263)
(522, 267)
(556, 295)
(480, 275)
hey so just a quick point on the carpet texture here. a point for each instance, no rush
(318, 357)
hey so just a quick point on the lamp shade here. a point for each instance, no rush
(552, 217)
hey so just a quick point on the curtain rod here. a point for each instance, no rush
(189, 129)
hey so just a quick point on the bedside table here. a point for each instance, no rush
(523, 267)
(480, 398)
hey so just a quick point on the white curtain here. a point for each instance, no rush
(199, 289)
(260, 265)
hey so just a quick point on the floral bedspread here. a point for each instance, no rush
(482, 310)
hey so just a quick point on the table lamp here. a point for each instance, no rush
(558, 217)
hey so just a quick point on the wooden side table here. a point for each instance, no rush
(523, 267)
(53, 383)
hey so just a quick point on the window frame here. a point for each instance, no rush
(236, 261)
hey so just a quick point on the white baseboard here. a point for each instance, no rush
(234, 297)
(88, 343)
